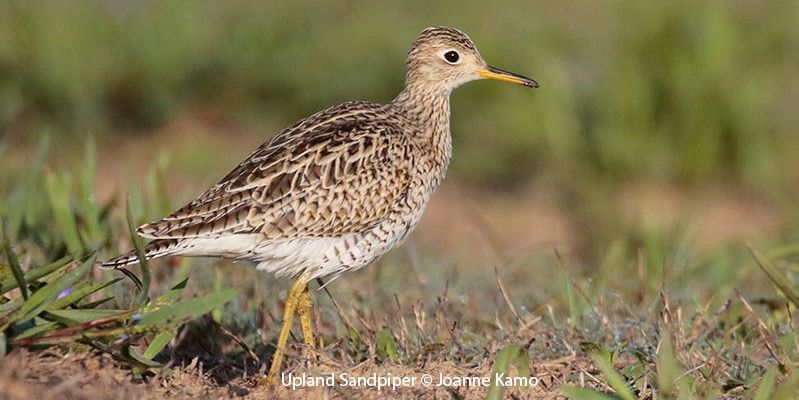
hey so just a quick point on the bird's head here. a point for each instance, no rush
(445, 58)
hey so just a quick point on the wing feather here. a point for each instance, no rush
(339, 171)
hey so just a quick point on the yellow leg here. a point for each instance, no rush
(294, 299)
(305, 312)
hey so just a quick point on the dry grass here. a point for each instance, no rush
(637, 265)
(206, 362)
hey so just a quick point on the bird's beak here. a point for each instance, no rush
(495, 73)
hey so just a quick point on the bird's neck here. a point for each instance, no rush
(429, 109)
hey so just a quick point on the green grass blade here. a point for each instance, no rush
(80, 293)
(162, 339)
(784, 251)
(787, 389)
(614, 378)
(173, 294)
(6, 307)
(6, 311)
(596, 350)
(179, 312)
(159, 342)
(42, 298)
(766, 386)
(89, 209)
(6, 275)
(385, 345)
(58, 336)
(45, 270)
(522, 363)
(76, 324)
(668, 367)
(13, 263)
(574, 311)
(501, 364)
(38, 329)
(72, 316)
(216, 313)
(58, 193)
(144, 361)
(29, 191)
(95, 304)
(36, 273)
(143, 264)
(507, 356)
(776, 276)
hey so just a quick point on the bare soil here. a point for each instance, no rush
(68, 375)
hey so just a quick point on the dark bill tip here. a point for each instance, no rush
(507, 76)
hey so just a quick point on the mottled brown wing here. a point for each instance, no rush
(339, 171)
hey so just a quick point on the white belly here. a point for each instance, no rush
(322, 255)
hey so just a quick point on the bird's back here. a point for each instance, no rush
(338, 171)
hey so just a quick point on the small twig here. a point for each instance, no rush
(530, 323)
(690, 371)
(764, 331)
(238, 341)
(339, 311)
(419, 318)
(507, 298)
(710, 324)
(403, 326)
(452, 336)
(597, 380)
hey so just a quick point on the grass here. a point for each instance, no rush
(627, 231)
(592, 337)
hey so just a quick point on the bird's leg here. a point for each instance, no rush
(293, 298)
(305, 311)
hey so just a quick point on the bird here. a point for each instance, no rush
(335, 191)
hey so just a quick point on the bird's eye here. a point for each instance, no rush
(451, 56)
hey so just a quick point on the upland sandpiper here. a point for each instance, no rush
(337, 190)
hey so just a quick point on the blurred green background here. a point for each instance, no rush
(682, 90)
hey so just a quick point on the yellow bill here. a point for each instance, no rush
(502, 75)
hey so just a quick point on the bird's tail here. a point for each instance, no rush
(154, 249)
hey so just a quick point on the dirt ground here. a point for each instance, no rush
(55, 374)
